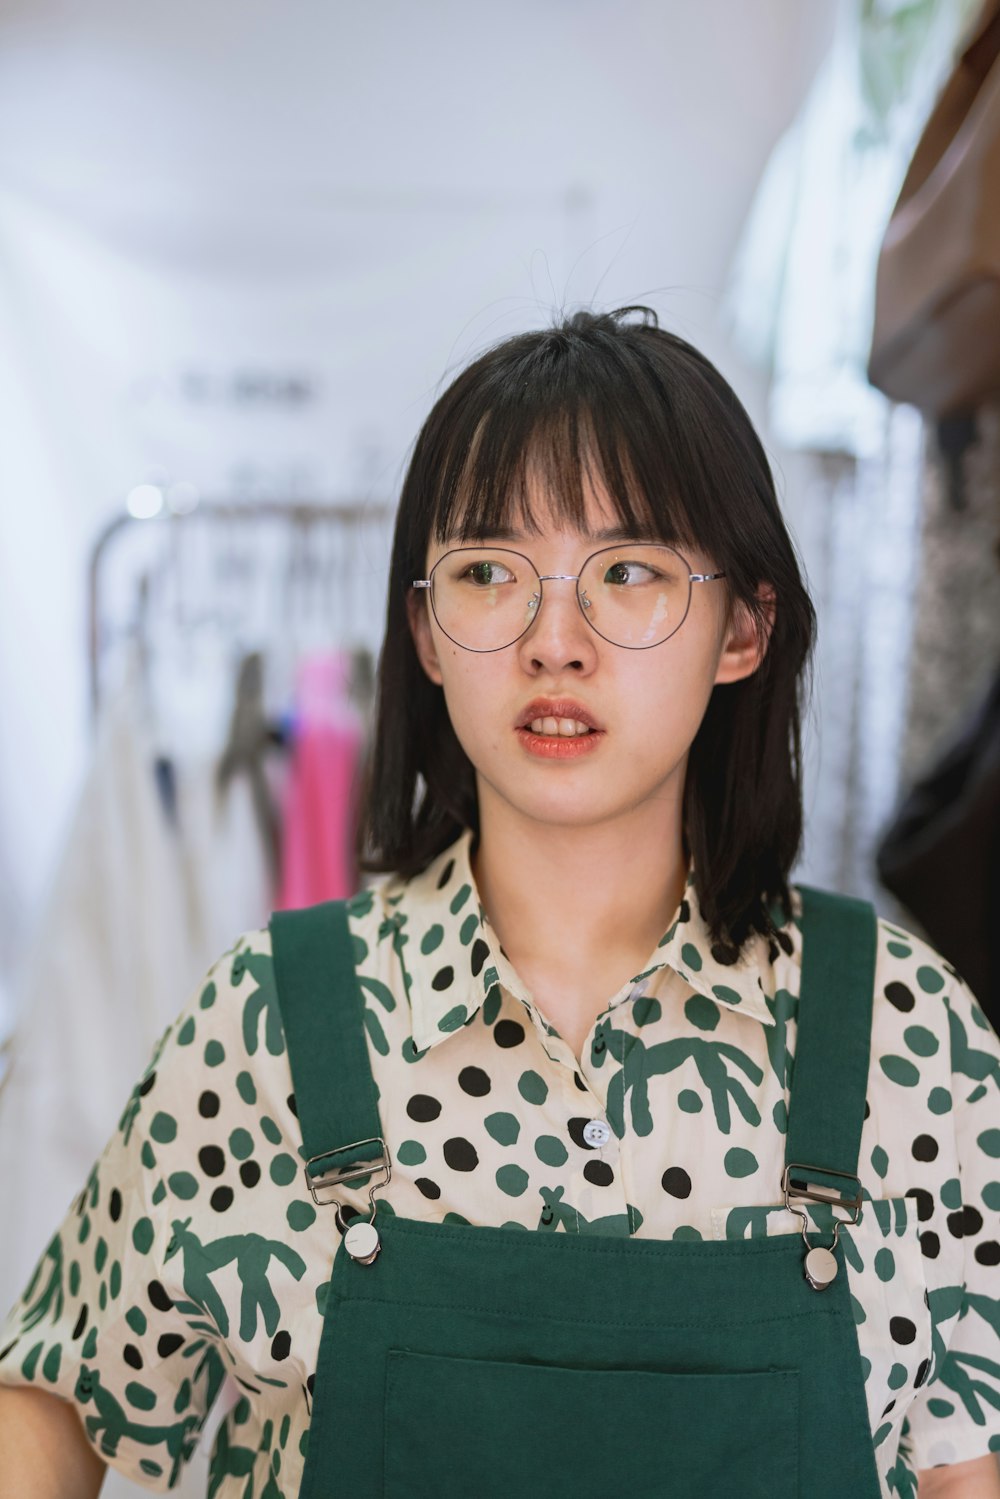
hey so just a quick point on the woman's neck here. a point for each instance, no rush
(574, 906)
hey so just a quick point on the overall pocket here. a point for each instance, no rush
(462, 1427)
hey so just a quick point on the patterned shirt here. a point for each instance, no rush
(194, 1251)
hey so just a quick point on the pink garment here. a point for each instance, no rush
(318, 811)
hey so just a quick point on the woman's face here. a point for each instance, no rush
(647, 704)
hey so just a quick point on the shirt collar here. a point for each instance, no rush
(452, 958)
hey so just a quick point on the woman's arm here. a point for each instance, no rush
(43, 1451)
(979, 1478)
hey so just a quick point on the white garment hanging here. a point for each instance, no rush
(800, 295)
(140, 907)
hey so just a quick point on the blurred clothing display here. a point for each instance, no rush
(937, 297)
(112, 950)
(175, 848)
(941, 854)
(801, 291)
(318, 823)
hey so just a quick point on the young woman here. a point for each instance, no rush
(583, 1152)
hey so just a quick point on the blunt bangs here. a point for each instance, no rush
(605, 401)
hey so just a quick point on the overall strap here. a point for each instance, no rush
(322, 1012)
(830, 1072)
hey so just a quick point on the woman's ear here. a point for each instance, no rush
(746, 642)
(418, 615)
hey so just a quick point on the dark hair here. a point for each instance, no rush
(680, 458)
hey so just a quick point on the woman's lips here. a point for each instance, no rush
(559, 746)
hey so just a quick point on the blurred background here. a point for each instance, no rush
(243, 248)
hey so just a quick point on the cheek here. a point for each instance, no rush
(473, 693)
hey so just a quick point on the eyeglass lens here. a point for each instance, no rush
(485, 598)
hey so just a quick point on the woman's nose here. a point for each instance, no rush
(559, 631)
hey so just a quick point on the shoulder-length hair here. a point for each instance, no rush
(679, 457)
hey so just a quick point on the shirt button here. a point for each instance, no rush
(596, 1132)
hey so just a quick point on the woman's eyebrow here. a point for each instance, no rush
(608, 533)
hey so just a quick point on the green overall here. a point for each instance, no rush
(480, 1362)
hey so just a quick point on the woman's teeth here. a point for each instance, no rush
(566, 727)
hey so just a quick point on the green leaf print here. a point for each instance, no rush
(49, 1304)
(263, 1001)
(252, 1254)
(710, 1058)
(956, 1376)
(111, 1423)
(966, 1059)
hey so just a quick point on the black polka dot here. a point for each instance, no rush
(290, 1100)
(158, 1296)
(988, 1253)
(211, 1160)
(921, 1374)
(311, 1383)
(868, 1109)
(446, 874)
(250, 1173)
(930, 1244)
(422, 1108)
(575, 1128)
(972, 1221)
(460, 1154)
(889, 1407)
(147, 1084)
(925, 1148)
(443, 979)
(508, 1033)
(724, 953)
(281, 1345)
(899, 995)
(132, 1356)
(80, 1323)
(115, 1205)
(902, 1329)
(428, 1188)
(169, 1343)
(676, 1181)
(956, 1224)
(474, 1081)
(598, 1173)
(579, 1082)
(208, 1104)
(480, 952)
(684, 914)
(924, 1202)
(222, 1198)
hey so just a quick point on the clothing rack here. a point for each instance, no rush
(328, 565)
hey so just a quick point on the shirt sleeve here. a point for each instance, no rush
(96, 1324)
(956, 1415)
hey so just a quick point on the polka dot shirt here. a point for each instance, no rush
(194, 1252)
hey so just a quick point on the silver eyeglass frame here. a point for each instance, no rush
(539, 600)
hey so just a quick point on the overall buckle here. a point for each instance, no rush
(820, 1263)
(342, 1174)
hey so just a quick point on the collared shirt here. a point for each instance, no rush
(194, 1251)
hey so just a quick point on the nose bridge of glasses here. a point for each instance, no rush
(582, 598)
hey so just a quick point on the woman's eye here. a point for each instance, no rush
(487, 574)
(628, 572)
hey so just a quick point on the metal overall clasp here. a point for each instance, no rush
(820, 1264)
(361, 1239)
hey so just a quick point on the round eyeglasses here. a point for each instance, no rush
(485, 598)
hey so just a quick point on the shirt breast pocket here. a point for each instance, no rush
(887, 1283)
